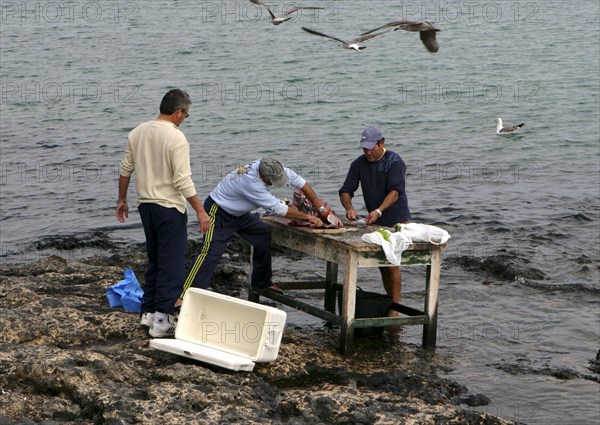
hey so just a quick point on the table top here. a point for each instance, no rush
(349, 239)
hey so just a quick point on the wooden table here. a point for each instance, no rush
(351, 252)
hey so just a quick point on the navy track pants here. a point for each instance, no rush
(166, 242)
(222, 228)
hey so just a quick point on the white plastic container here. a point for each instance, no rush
(225, 331)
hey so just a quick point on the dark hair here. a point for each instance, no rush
(174, 99)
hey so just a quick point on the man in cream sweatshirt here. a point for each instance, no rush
(159, 153)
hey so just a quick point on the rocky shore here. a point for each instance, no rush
(66, 357)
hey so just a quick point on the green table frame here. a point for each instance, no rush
(351, 252)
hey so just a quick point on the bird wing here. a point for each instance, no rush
(366, 37)
(513, 128)
(324, 35)
(390, 25)
(260, 3)
(295, 9)
(431, 25)
(428, 39)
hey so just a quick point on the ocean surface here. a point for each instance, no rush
(523, 210)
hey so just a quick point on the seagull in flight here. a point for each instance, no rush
(506, 130)
(354, 44)
(425, 29)
(277, 20)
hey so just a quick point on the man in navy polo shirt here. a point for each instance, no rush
(381, 175)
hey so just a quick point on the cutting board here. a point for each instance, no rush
(323, 230)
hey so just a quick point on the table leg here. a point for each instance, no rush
(252, 296)
(349, 304)
(330, 283)
(431, 299)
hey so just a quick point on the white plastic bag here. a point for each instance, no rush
(393, 244)
(417, 232)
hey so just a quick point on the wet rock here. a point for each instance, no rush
(66, 357)
(559, 373)
(474, 400)
(72, 242)
(502, 266)
(595, 363)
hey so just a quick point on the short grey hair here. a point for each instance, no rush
(175, 99)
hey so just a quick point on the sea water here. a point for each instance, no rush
(523, 210)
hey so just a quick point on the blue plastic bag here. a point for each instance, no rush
(127, 293)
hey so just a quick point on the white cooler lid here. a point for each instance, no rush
(203, 353)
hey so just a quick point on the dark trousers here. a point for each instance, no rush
(222, 228)
(166, 240)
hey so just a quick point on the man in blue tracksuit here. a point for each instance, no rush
(381, 175)
(229, 206)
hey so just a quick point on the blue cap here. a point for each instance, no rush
(370, 137)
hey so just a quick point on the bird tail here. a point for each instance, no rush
(521, 125)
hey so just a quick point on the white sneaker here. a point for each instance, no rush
(163, 327)
(147, 319)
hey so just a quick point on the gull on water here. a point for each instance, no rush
(276, 20)
(425, 29)
(506, 130)
(354, 44)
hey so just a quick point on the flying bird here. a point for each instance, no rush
(425, 29)
(354, 44)
(277, 20)
(506, 130)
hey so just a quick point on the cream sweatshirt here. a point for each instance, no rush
(159, 154)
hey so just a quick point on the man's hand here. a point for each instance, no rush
(323, 215)
(351, 214)
(204, 221)
(122, 211)
(314, 220)
(372, 217)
